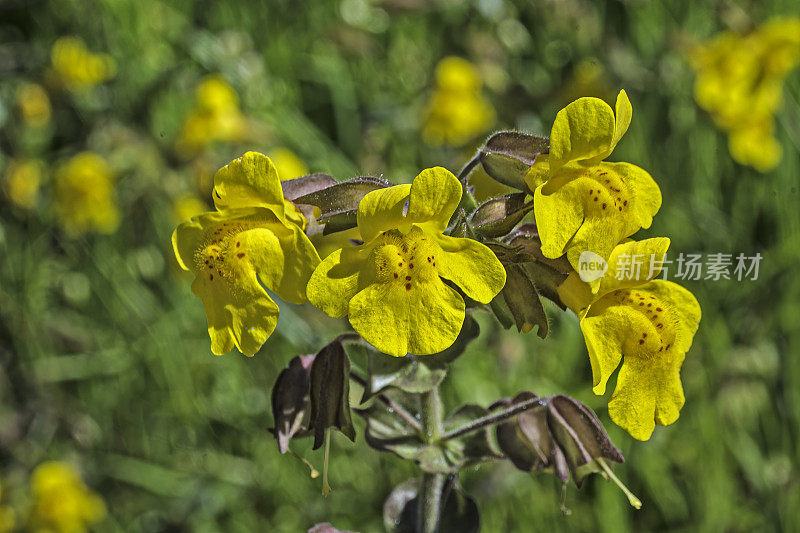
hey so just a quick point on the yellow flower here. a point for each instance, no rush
(255, 236)
(457, 112)
(187, 206)
(651, 323)
(391, 286)
(8, 518)
(85, 197)
(76, 68)
(582, 203)
(33, 104)
(288, 164)
(62, 503)
(739, 81)
(216, 117)
(22, 181)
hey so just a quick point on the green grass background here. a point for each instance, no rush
(104, 358)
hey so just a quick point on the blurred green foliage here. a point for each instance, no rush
(104, 358)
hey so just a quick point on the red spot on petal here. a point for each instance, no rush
(211, 277)
(641, 341)
(658, 309)
(239, 255)
(408, 278)
(411, 265)
(408, 286)
(604, 206)
(238, 244)
(396, 275)
(399, 264)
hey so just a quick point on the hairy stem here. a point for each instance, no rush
(492, 419)
(393, 406)
(430, 493)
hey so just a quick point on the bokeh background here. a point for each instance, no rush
(104, 358)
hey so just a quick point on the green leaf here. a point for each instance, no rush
(330, 393)
(508, 155)
(406, 373)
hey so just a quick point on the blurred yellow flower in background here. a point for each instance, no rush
(740, 82)
(33, 104)
(186, 206)
(215, 117)
(85, 196)
(62, 503)
(287, 163)
(8, 517)
(21, 182)
(457, 111)
(76, 68)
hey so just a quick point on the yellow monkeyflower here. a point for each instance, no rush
(647, 325)
(255, 236)
(76, 68)
(62, 503)
(85, 196)
(33, 104)
(739, 81)
(188, 205)
(288, 164)
(22, 181)
(582, 203)
(8, 518)
(457, 112)
(391, 286)
(215, 117)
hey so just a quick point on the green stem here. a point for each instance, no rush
(430, 493)
(492, 419)
(431, 501)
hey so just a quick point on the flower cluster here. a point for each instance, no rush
(739, 81)
(409, 259)
(75, 68)
(584, 205)
(457, 112)
(215, 117)
(33, 104)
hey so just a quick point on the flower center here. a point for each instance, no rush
(655, 332)
(221, 255)
(609, 191)
(404, 259)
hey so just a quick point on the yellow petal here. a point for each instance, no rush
(239, 313)
(593, 208)
(423, 319)
(582, 130)
(651, 326)
(382, 210)
(229, 252)
(250, 181)
(648, 392)
(435, 195)
(630, 264)
(586, 130)
(336, 280)
(472, 266)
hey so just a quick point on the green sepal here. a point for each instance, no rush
(330, 393)
(291, 401)
(498, 216)
(523, 301)
(508, 155)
